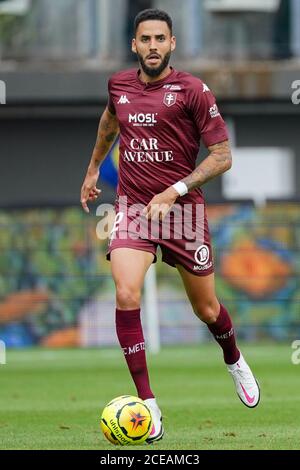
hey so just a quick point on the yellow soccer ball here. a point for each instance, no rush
(126, 420)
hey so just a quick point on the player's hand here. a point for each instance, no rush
(89, 190)
(160, 204)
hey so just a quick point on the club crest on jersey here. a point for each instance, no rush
(170, 99)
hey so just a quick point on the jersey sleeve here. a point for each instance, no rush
(110, 103)
(203, 107)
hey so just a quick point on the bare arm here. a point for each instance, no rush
(217, 162)
(107, 131)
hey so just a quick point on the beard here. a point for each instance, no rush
(154, 72)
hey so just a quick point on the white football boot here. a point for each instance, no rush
(246, 385)
(157, 430)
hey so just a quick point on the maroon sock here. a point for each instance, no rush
(131, 338)
(223, 332)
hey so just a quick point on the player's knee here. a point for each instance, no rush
(207, 312)
(128, 298)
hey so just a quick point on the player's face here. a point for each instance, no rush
(153, 45)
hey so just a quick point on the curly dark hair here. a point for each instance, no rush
(152, 14)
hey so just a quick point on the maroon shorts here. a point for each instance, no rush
(183, 237)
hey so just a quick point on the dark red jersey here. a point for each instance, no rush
(161, 125)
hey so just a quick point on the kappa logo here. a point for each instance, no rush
(123, 100)
(170, 99)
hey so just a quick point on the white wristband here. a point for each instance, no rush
(181, 188)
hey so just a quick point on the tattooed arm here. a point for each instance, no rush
(107, 131)
(217, 162)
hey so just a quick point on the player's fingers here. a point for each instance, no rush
(154, 213)
(165, 209)
(95, 191)
(85, 191)
(146, 211)
(87, 194)
(158, 211)
(151, 210)
(84, 205)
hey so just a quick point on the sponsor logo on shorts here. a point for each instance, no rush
(202, 255)
(203, 268)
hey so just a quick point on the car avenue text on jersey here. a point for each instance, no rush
(146, 150)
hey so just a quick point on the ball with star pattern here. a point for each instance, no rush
(126, 420)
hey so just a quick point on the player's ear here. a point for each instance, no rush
(173, 43)
(133, 46)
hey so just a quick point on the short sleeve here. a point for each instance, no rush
(110, 103)
(203, 107)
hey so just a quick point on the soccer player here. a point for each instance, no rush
(161, 114)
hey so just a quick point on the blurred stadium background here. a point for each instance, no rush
(55, 59)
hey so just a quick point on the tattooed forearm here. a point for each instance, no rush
(217, 162)
(110, 137)
(107, 132)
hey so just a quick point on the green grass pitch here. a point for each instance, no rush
(52, 399)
